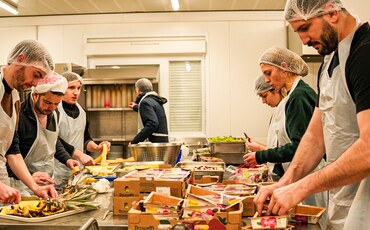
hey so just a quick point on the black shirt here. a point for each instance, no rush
(358, 68)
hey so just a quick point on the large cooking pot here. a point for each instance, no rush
(166, 152)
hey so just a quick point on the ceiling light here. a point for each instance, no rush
(8, 7)
(175, 4)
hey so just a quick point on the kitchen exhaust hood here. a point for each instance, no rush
(120, 74)
(309, 54)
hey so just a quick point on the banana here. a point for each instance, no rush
(102, 158)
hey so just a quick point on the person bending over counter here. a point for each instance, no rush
(38, 132)
(28, 62)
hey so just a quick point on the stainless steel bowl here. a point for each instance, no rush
(166, 152)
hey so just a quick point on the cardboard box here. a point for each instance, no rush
(123, 188)
(230, 220)
(162, 204)
(306, 214)
(121, 205)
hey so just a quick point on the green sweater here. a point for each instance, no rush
(298, 112)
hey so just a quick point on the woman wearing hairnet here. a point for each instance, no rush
(283, 70)
(272, 98)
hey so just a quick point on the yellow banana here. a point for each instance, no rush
(102, 158)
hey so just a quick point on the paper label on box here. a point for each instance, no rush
(163, 190)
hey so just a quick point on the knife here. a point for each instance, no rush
(246, 137)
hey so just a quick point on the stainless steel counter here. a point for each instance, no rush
(75, 221)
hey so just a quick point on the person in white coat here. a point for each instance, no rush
(340, 125)
(38, 131)
(74, 127)
(28, 62)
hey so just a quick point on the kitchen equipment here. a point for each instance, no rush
(166, 152)
(230, 152)
(193, 143)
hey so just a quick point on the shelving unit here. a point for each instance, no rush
(105, 97)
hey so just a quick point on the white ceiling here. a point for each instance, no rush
(72, 7)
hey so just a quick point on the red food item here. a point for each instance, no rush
(268, 222)
(215, 224)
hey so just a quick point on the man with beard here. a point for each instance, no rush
(28, 62)
(340, 124)
(38, 132)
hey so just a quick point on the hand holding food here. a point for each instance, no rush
(46, 191)
(250, 158)
(9, 195)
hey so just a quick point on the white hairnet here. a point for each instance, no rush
(306, 9)
(55, 83)
(72, 77)
(277, 55)
(261, 86)
(35, 54)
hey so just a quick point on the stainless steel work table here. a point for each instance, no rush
(75, 221)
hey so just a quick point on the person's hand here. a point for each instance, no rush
(264, 194)
(9, 195)
(83, 158)
(46, 191)
(283, 199)
(100, 146)
(252, 145)
(131, 105)
(42, 178)
(72, 163)
(250, 158)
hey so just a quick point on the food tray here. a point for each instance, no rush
(227, 147)
(306, 214)
(44, 218)
(126, 167)
(198, 172)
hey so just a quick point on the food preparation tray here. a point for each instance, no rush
(227, 147)
(44, 218)
(201, 169)
(126, 167)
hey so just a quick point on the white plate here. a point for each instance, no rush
(44, 218)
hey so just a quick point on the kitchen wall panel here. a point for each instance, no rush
(11, 35)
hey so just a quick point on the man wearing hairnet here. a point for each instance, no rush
(74, 127)
(152, 120)
(340, 125)
(28, 62)
(38, 131)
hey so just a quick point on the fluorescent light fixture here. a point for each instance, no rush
(175, 4)
(8, 7)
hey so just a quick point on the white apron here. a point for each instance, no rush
(140, 124)
(341, 130)
(7, 129)
(277, 134)
(40, 157)
(72, 131)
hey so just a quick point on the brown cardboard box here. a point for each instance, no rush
(124, 187)
(121, 205)
(230, 220)
(249, 208)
